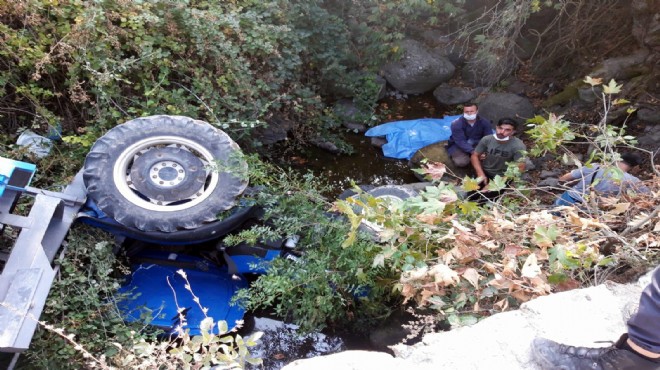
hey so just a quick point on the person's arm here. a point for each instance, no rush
(566, 177)
(476, 164)
(459, 138)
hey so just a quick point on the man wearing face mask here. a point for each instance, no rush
(494, 152)
(466, 132)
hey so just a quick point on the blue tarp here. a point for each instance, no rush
(404, 138)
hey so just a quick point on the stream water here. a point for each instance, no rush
(366, 165)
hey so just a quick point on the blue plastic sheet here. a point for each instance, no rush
(404, 138)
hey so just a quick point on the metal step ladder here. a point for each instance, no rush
(28, 271)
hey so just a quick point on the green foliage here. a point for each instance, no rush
(548, 134)
(233, 64)
(330, 285)
(81, 302)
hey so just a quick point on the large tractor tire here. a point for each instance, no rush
(164, 173)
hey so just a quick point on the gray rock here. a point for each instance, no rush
(617, 68)
(545, 174)
(451, 52)
(418, 70)
(479, 72)
(450, 95)
(529, 165)
(515, 86)
(550, 182)
(651, 137)
(590, 94)
(501, 105)
(378, 141)
(435, 37)
(378, 79)
(649, 115)
(326, 145)
(646, 23)
(350, 115)
(276, 129)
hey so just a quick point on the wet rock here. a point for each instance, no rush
(545, 174)
(433, 37)
(450, 95)
(590, 94)
(418, 70)
(515, 86)
(649, 115)
(501, 105)
(350, 115)
(380, 81)
(276, 129)
(529, 165)
(398, 95)
(378, 141)
(651, 137)
(646, 23)
(549, 182)
(326, 145)
(620, 67)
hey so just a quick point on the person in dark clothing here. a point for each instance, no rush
(466, 132)
(639, 349)
(492, 156)
(602, 181)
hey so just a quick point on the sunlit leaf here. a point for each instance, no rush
(545, 236)
(444, 275)
(531, 268)
(472, 276)
(435, 170)
(612, 88)
(592, 81)
(470, 184)
(620, 101)
(497, 184)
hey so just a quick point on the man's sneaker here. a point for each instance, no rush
(555, 356)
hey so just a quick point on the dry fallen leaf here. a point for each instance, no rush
(472, 276)
(531, 268)
(444, 275)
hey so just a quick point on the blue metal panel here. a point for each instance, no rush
(15, 174)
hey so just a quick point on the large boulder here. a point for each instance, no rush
(501, 105)
(646, 23)
(451, 95)
(418, 70)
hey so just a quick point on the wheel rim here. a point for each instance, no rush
(169, 174)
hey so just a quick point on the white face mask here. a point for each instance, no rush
(470, 117)
(498, 139)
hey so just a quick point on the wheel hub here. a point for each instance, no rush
(165, 175)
